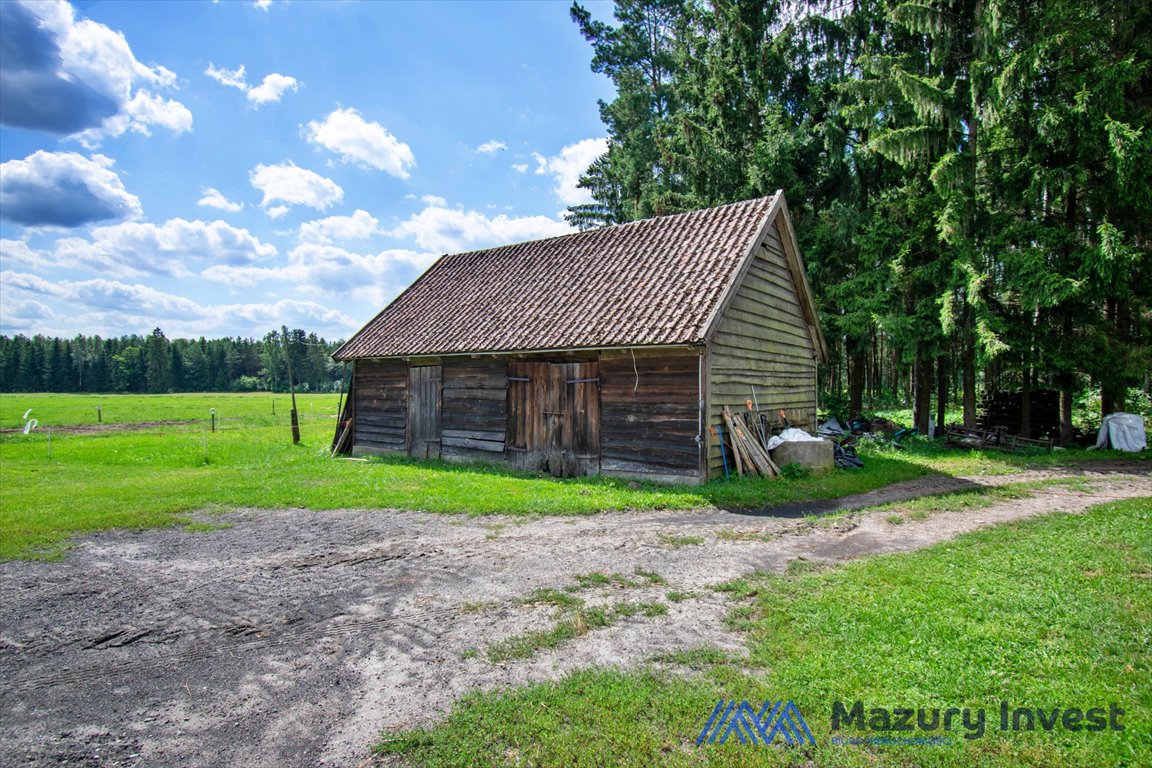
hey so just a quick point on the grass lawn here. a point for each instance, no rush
(1045, 613)
(52, 489)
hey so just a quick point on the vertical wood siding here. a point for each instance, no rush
(650, 415)
(554, 417)
(763, 341)
(424, 411)
(379, 392)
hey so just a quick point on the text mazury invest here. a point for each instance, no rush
(974, 721)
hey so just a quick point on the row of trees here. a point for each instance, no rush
(156, 364)
(971, 179)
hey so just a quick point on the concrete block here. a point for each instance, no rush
(815, 455)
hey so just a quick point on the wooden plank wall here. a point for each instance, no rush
(380, 405)
(650, 415)
(474, 411)
(763, 341)
(424, 411)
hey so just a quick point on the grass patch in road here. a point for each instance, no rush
(1047, 612)
(734, 534)
(676, 596)
(651, 577)
(575, 619)
(676, 542)
(553, 597)
(975, 498)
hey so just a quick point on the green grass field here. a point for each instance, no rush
(52, 488)
(1045, 613)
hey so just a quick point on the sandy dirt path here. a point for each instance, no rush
(293, 638)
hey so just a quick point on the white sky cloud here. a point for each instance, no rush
(446, 230)
(434, 200)
(105, 306)
(63, 189)
(271, 89)
(520, 167)
(361, 225)
(491, 146)
(173, 248)
(361, 142)
(214, 198)
(18, 253)
(329, 270)
(292, 185)
(567, 167)
(102, 59)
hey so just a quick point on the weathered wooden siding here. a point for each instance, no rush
(474, 411)
(650, 415)
(380, 405)
(763, 341)
(424, 411)
(554, 416)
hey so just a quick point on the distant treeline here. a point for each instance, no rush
(155, 363)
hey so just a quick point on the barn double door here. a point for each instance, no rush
(554, 417)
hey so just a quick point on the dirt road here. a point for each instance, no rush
(293, 638)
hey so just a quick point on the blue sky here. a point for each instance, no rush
(226, 168)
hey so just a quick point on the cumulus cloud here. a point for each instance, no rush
(434, 200)
(214, 198)
(491, 146)
(63, 189)
(172, 248)
(328, 270)
(270, 89)
(35, 91)
(446, 230)
(567, 167)
(17, 252)
(292, 185)
(77, 77)
(520, 167)
(361, 142)
(361, 225)
(109, 306)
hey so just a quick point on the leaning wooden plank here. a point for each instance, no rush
(741, 445)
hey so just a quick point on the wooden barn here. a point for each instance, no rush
(609, 351)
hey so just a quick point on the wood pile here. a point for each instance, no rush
(999, 439)
(746, 442)
(1002, 410)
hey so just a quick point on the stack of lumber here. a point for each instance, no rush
(747, 451)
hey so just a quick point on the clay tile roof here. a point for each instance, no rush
(650, 282)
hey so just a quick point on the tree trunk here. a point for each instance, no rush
(1066, 381)
(969, 375)
(941, 393)
(856, 369)
(1026, 403)
(922, 389)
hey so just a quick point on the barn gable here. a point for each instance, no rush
(609, 351)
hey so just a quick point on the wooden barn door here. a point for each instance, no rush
(424, 411)
(554, 417)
